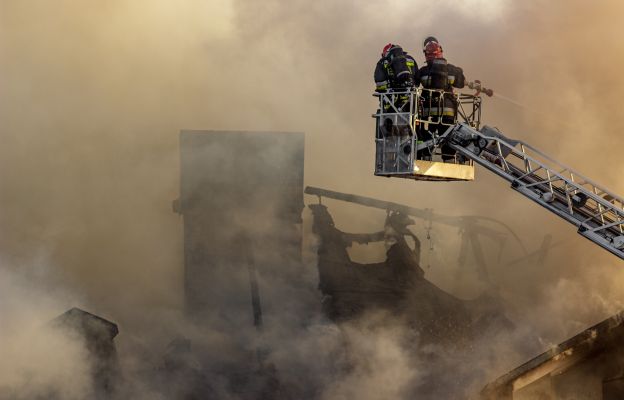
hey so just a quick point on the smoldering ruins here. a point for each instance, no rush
(285, 268)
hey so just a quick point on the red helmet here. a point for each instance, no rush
(432, 50)
(386, 49)
(430, 39)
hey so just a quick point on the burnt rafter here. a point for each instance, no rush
(469, 226)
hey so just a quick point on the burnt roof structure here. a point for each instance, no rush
(397, 287)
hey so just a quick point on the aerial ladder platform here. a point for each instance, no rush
(408, 147)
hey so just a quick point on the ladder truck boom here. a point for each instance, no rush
(597, 212)
(408, 146)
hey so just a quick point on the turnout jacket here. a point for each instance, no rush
(398, 70)
(440, 75)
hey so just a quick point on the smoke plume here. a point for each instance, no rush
(94, 94)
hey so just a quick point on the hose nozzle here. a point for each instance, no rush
(476, 85)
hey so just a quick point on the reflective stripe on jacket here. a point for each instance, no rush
(437, 111)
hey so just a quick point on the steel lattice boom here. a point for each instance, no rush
(597, 212)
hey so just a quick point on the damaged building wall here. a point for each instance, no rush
(96, 334)
(240, 191)
(241, 197)
(588, 366)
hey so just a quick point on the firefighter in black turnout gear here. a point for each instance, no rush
(396, 70)
(438, 107)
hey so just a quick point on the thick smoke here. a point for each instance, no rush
(93, 94)
(38, 360)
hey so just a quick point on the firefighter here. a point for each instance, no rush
(396, 70)
(439, 107)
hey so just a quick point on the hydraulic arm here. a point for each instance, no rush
(596, 212)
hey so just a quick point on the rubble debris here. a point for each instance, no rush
(188, 372)
(182, 375)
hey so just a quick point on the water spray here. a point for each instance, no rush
(478, 86)
(507, 99)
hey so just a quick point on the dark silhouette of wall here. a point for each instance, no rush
(241, 199)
